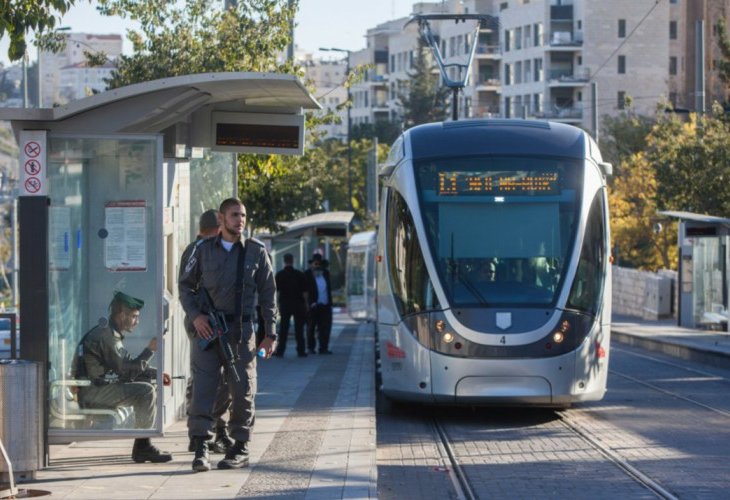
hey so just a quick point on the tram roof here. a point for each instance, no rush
(498, 137)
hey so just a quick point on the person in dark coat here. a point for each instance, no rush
(291, 285)
(319, 296)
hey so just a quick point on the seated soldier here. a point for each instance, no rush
(116, 378)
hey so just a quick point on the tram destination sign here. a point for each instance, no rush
(502, 183)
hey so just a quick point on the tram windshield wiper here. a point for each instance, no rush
(455, 270)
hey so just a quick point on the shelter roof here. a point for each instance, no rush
(707, 219)
(151, 107)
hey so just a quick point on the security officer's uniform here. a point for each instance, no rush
(223, 396)
(214, 268)
(116, 378)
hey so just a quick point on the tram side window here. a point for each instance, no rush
(586, 292)
(408, 276)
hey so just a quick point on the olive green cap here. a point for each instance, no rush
(128, 300)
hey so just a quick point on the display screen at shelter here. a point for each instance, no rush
(504, 183)
(256, 135)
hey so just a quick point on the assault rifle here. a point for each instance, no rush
(217, 321)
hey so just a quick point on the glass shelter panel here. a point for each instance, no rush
(709, 271)
(104, 220)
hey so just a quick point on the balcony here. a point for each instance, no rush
(564, 41)
(569, 114)
(484, 51)
(568, 78)
(488, 84)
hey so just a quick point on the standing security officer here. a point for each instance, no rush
(116, 378)
(232, 270)
(208, 227)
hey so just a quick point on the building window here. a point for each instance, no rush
(538, 70)
(507, 39)
(503, 6)
(537, 35)
(672, 30)
(507, 74)
(673, 65)
(622, 28)
(621, 65)
(621, 100)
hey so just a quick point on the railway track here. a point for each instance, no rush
(485, 450)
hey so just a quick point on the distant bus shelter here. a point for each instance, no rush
(111, 187)
(703, 270)
(324, 233)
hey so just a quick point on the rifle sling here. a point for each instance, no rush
(239, 277)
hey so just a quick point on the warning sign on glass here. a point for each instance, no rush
(33, 163)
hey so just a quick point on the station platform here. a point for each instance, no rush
(314, 438)
(315, 434)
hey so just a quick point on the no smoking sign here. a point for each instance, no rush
(33, 158)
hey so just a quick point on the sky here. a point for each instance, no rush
(320, 23)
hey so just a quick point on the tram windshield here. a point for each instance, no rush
(500, 228)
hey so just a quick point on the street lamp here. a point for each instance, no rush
(349, 121)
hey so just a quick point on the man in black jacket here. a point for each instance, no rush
(319, 296)
(292, 288)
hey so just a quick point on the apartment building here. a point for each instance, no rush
(69, 59)
(328, 78)
(542, 58)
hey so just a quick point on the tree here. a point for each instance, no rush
(633, 210)
(18, 17)
(624, 135)
(424, 100)
(723, 42)
(196, 36)
(692, 161)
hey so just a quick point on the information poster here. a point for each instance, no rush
(125, 244)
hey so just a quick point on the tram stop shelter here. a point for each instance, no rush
(703, 270)
(325, 233)
(111, 188)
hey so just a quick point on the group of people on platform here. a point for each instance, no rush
(226, 284)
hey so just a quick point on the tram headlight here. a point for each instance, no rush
(558, 337)
(440, 325)
(447, 337)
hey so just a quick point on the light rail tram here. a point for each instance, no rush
(493, 274)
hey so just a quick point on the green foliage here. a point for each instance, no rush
(623, 136)
(197, 36)
(723, 42)
(18, 17)
(425, 100)
(692, 162)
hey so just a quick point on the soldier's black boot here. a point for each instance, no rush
(222, 442)
(143, 451)
(201, 462)
(236, 456)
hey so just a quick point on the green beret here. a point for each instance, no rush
(128, 300)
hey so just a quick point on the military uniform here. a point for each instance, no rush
(214, 268)
(116, 378)
(223, 396)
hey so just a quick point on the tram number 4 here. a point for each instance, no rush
(503, 340)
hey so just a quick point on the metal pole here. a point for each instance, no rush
(25, 80)
(700, 67)
(455, 103)
(594, 110)
(349, 132)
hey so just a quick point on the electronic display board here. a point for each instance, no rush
(501, 183)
